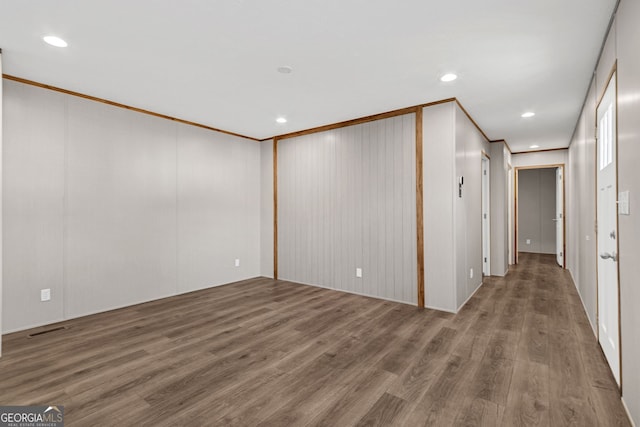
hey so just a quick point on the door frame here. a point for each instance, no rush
(564, 209)
(612, 73)
(486, 202)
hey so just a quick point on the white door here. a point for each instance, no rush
(607, 224)
(486, 226)
(559, 218)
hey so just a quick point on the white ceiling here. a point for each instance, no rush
(214, 61)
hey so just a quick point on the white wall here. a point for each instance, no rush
(33, 196)
(541, 158)
(536, 210)
(108, 207)
(470, 144)
(452, 147)
(440, 188)
(621, 46)
(1, 198)
(266, 208)
(581, 204)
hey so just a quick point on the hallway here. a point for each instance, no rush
(277, 353)
(560, 376)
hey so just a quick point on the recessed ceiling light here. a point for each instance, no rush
(281, 120)
(55, 41)
(285, 69)
(448, 77)
(534, 146)
(528, 114)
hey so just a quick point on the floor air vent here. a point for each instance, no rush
(48, 331)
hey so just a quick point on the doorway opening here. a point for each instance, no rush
(540, 212)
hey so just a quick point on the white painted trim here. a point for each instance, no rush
(347, 292)
(584, 306)
(626, 409)
(455, 312)
(446, 310)
(91, 313)
(470, 296)
(500, 275)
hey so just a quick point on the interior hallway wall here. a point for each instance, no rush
(620, 50)
(108, 207)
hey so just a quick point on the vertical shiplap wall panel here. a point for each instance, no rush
(346, 200)
(120, 209)
(266, 208)
(33, 205)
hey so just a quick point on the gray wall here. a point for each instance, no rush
(621, 45)
(536, 210)
(346, 200)
(108, 207)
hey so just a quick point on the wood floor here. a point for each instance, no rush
(269, 353)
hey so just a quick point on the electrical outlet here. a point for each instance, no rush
(471, 273)
(528, 241)
(237, 262)
(45, 294)
(358, 272)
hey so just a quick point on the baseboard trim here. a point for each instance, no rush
(470, 296)
(433, 307)
(626, 409)
(584, 306)
(348, 292)
(67, 317)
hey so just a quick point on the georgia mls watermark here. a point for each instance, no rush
(31, 416)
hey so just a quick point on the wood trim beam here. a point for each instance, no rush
(275, 208)
(419, 208)
(541, 151)
(126, 107)
(366, 119)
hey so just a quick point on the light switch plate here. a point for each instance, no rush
(45, 294)
(358, 272)
(237, 262)
(528, 241)
(623, 203)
